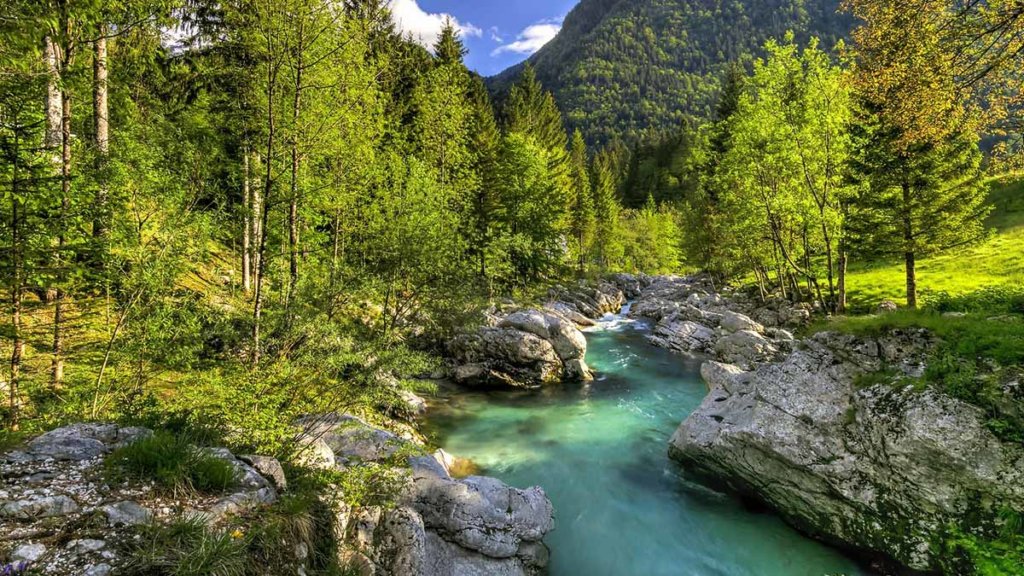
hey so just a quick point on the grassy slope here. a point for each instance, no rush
(999, 261)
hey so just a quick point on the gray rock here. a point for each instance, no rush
(880, 469)
(240, 502)
(683, 336)
(736, 322)
(413, 404)
(66, 448)
(45, 507)
(86, 545)
(82, 441)
(269, 468)
(505, 356)
(127, 513)
(568, 342)
(746, 349)
(313, 452)
(887, 307)
(98, 570)
(718, 375)
(352, 440)
(444, 558)
(480, 514)
(28, 553)
(245, 475)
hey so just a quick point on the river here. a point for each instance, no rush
(599, 450)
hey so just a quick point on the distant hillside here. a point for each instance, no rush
(626, 67)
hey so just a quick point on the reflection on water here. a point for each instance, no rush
(599, 450)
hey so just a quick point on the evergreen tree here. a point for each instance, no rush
(918, 201)
(485, 147)
(607, 249)
(449, 48)
(583, 220)
(530, 110)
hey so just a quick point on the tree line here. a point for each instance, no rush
(189, 185)
(865, 152)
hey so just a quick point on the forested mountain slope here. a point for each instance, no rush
(620, 68)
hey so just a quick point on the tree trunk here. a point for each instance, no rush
(293, 206)
(246, 225)
(911, 264)
(57, 376)
(16, 290)
(256, 218)
(101, 125)
(54, 111)
(53, 100)
(843, 262)
(908, 244)
(268, 187)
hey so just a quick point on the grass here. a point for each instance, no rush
(998, 261)
(173, 463)
(187, 547)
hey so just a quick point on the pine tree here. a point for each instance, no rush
(607, 249)
(449, 48)
(918, 201)
(583, 220)
(485, 147)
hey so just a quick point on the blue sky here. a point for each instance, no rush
(498, 33)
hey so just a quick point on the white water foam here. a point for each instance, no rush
(617, 322)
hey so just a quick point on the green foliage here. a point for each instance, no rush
(990, 300)
(968, 553)
(619, 69)
(651, 240)
(173, 463)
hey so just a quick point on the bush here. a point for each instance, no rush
(174, 463)
(990, 300)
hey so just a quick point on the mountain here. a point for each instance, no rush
(623, 68)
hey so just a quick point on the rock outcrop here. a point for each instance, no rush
(530, 347)
(691, 316)
(60, 514)
(882, 469)
(438, 525)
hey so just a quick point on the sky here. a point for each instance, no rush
(498, 33)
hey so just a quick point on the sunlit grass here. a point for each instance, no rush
(999, 261)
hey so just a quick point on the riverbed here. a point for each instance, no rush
(599, 451)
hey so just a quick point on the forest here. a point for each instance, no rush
(232, 213)
(224, 192)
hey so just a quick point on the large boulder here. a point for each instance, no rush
(505, 356)
(883, 469)
(567, 340)
(526, 348)
(440, 526)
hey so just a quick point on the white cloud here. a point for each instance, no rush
(496, 35)
(531, 39)
(425, 27)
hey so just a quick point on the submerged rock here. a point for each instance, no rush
(881, 469)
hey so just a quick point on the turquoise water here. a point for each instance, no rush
(622, 507)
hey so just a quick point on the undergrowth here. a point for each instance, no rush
(174, 463)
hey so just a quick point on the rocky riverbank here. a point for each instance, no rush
(62, 512)
(822, 431)
(530, 347)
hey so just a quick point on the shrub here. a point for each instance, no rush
(174, 463)
(989, 300)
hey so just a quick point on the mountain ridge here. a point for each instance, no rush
(622, 69)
